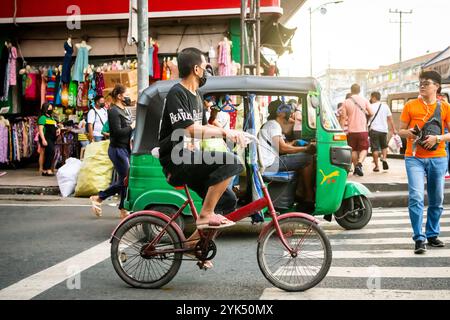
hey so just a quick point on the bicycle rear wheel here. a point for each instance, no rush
(133, 265)
(303, 271)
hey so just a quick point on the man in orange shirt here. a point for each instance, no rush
(423, 161)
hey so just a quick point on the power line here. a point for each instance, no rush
(400, 22)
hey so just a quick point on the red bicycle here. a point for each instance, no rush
(293, 252)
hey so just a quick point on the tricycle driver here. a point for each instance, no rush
(277, 155)
(182, 127)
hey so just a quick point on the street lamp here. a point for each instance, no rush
(323, 10)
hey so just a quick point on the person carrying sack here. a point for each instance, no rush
(378, 130)
(422, 123)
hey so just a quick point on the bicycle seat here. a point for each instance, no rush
(284, 176)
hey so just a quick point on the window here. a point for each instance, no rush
(397, 105)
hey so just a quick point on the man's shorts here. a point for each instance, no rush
(198, 173)
(359, 141)
(290, 162)
(378, 140)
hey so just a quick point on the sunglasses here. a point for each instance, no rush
(426, 83)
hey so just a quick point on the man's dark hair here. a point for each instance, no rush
(187, 59)
(97, 98)
(431, 75)
(355, 88)
(348, 96)
(376, 95)
(273, 108)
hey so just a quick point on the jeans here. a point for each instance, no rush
(434, 170)
(120, 160)
(97, 139)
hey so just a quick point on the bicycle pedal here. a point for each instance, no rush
(202, 266)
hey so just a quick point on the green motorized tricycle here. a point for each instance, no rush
(346, 200)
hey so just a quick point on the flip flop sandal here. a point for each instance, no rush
(216, 222)
(96, 207)
(205, 265)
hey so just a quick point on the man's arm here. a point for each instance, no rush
(285, 148)
(343, 117)
(210, 131)
(405, 132)
(90, 131)
(391, 124)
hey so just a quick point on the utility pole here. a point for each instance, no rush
(400, 22)
(142, 49)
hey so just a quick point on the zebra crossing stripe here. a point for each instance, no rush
(332, 230)
(355, 294)
(381, 241)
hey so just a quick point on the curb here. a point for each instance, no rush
(392, 199)
(30, 190)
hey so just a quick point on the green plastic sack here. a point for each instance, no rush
(96, 170)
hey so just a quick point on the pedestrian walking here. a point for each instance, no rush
(426, 158)
(355, 111)
(378, 130)
(120, 129)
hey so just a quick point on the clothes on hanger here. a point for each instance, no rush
(81, 64)
(67, 63)
(4, 73)
(12, 61)
(224, 59)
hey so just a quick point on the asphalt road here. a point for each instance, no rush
(376, 262)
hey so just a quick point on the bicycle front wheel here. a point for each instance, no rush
(299, 272)
(137, 268)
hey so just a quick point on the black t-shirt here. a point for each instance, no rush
(182, 109)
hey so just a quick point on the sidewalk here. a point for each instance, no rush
(27, 181)
(389, 188)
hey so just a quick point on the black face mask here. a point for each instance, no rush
(127, 101)
(49, 112)
(101, 105)
(202, 80)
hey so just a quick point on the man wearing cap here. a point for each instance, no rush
(278, 156)
(427, 160)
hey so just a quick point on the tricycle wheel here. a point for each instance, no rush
(355, 213)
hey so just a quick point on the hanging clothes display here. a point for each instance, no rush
(156, 66)
(224, 58)
(65, 95)
(67, 63)
(73, 93)
(17, 139)
(12, 66)
(32, 86)
(51, 83)
(99, 83)
(81, 63)
(44, 79)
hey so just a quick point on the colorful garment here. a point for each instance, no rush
(100, 83)
(31, 86)
(65, 78)
(73, 93)
(156, 66)
(51, 83)
(12, 66)
(81, 63)
(224, 58)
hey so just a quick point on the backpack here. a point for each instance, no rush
(432, 127)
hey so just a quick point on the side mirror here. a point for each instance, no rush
(315, 102)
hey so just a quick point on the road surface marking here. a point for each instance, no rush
(40, 282)
(355, 294)
(366, 231)
(381, 241)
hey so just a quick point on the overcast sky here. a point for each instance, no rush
(358, 34)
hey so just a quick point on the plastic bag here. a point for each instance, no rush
(67, 176)
(395, 144)
(96, 171)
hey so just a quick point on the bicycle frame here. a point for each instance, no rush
(237, 215)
